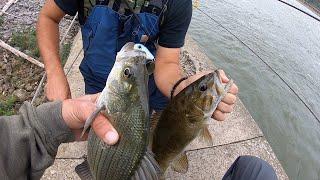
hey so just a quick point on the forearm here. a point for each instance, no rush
(165, 81)
(168, 70)
(48, 40)
(29, 141)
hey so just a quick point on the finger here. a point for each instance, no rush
(225, 108)
(223, 76)
(229, 99)
(234, 89)
(219, 116)
(104, 130)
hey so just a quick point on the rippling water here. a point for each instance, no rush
(289, 41)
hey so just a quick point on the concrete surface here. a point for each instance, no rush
(237, 135)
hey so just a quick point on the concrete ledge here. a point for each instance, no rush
(62, 169)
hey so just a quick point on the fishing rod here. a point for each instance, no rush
(299, 10)
(305, 104)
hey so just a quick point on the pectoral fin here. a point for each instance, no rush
(205, 136)
(83, 171)
(91, 118)
(148, 169)
(181, 164)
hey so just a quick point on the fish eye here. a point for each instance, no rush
(127, 73)
(203, 87)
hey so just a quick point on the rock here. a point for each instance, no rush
(187, 63)
(8, 69)
(29, 87)
(11, 90)
(5, 87)
(20, 94)
(1, 64)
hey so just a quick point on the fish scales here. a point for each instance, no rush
(125, 99)
(130, 130)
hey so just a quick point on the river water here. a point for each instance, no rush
(287, 40)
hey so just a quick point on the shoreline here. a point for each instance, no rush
(310, 6)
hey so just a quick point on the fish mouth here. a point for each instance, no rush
(211, 96)
(128, 50)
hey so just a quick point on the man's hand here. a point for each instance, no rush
(227, 103)
(76, 111)
(57, 88)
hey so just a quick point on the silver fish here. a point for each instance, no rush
(124, 101)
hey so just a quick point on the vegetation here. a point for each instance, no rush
(7, 106)
(26, 41)
(65, 51)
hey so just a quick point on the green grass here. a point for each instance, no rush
(26, 40)
(65, 51)
(7, 106)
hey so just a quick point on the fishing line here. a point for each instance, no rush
(299, 10)
(305, 104)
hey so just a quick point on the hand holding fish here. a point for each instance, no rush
(76, 111)
(227, 103)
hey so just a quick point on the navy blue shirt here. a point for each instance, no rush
(173, 30)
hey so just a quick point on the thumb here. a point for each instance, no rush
(104, 130)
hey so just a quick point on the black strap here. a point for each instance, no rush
(176, 85)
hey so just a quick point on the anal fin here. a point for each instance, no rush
(180, 164)
(83, 171)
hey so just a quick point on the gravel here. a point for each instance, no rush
(19, 77)
(24, 14)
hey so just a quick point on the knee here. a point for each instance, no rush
(258, 168)
(252, 160)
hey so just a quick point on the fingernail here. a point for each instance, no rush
(111, 137)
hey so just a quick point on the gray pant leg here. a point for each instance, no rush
(250, 168)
